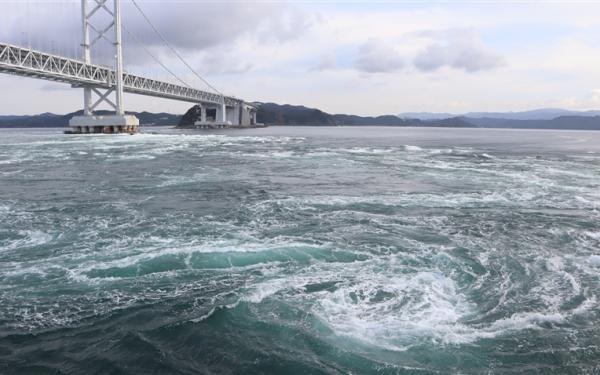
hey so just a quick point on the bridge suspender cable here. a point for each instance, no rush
(173, 49)
(154, 57)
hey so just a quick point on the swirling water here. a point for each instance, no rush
(300, 250)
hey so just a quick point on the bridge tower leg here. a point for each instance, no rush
(223, 112)
(90, 122)
(119, 59)
(87, 91)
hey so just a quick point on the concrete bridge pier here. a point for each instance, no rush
(221, 116)
(233, 114)
(119, 122)
(220, 119)
(111, 124)
(202, 113)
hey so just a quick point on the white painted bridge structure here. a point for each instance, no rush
(104, 81)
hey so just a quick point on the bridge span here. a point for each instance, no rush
(104, 81)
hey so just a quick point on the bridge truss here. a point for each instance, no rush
(31, 63)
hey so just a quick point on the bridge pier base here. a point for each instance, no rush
(111, 124)
(212, 125)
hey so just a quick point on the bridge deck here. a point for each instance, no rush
(31, 63)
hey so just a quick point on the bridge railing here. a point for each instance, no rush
(32, 63)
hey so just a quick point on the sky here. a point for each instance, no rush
(364, 58)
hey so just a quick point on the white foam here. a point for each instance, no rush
(29, 238)
(594, 260)
(10, 173)
(396, 311)
(381, 303)
(137, 157)
(184, 180)
(524, 320)
(267, 289)
(282, 154)
(156, 247)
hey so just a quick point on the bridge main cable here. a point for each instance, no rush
(173, 48)
(135, 39)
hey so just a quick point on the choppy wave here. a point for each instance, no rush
(328, 255)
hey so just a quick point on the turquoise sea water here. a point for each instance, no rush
(300, 250)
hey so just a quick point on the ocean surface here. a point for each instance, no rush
(300, 250)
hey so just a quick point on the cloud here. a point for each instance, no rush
(223, 63)
(200, 25)
(589, 101)
(458, 49)
(262, 51)
(327, 61)
(189, 26)
(52, 86)
(208, 27)
(377, 56)
(286, 24)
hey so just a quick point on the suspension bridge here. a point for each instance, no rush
(106, 84)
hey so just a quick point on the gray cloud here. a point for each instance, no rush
(459, 49)
(198, 25)
(223, 63)
(190, 26)
(52, 86)
(326, 62)
(286, 24)
(376, 56)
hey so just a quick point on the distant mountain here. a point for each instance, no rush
(562, 122)
(161, 118)
(427, 115)
(277, 114)
(536, 114)
(49, 120)
(36, 121)
(271, 114)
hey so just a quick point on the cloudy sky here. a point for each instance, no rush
(363, 58)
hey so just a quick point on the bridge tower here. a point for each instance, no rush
(89, 122)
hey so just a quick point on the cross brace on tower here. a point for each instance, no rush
(119, 122)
